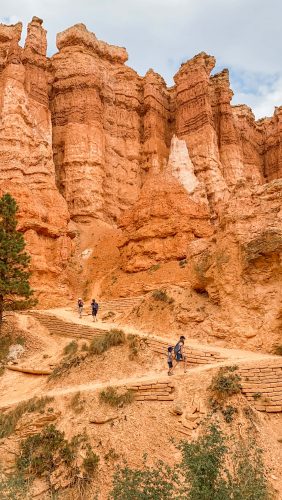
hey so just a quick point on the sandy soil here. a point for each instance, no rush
(141, 427)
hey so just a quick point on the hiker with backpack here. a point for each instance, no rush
(94, 309)
(179, 352)
(80, 305)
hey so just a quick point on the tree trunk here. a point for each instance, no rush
(1, 312)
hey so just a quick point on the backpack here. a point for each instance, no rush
(80, 303)
(95, 307)
(177, 348)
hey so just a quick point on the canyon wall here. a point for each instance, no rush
(180, 171)
(27, 169)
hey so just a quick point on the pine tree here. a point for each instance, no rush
(15, 291)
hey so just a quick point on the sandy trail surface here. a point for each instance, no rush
(18, 387)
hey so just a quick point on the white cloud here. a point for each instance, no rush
(244, 35)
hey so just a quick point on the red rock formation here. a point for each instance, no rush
(161, 224)
(27, 169)
(95, 104)
(83, 134)
(272, 148)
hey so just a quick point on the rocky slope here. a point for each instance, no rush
(181, 173)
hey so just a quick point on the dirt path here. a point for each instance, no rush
(22, 387)
(230, 354)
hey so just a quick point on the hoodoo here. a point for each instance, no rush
(153, 219)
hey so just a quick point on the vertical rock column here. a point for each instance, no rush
(194, 124)
(77, 116)
(228, 143)
(250, 141)
(157, 121)
(272, 145)
(27, 169)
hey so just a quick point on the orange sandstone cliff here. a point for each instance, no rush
(178, 173)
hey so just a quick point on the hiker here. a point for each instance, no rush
(94, 309)
(179, 352)
(80, 305)
(170, 360)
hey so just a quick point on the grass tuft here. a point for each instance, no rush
(225, 383)
(277, 349)
(70, 348)
(162, 296)
(8, 421)
(77, 403)
(113, 398)
(101, 344)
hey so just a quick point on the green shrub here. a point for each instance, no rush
(134, 344)
(114, 398)
(70, 348)
(101, 344)
(162, 296)
(229, 413)
(225, 383)
(65, 366)
(249, 478)
(5, 343)
(257, 395)
(203, 466)
(144, 484)
(13, 486)
(77, 403)
(277, 349)
(111, 455)
(9, 420)
(44, 452)
(41, 453)
(90, 463)
(202, 474)
(154, 268)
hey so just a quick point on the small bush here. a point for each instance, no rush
(202, 473)
(90, 463)
(101, 344)
(249, 478)
(111, 455)
(13, 486)
(162, 296)
(77, 403)
(134, 344)
(8, 421)
(70, 348)
(108, 315)
(257, 395)
(277, 349)
(5, 343)
(84, 347)
(226, 383)
(182, 263)
(229, 413)
(111, 397)
(65, 366)
(41, 453)
(154, 268)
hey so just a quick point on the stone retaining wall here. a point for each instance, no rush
(157, 390)
(194, 356)
(262, 386)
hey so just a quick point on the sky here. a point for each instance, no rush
(243, 35)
